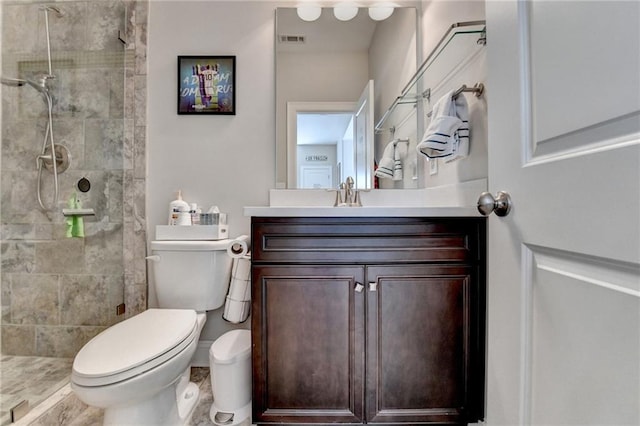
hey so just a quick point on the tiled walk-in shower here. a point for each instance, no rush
(57, 291)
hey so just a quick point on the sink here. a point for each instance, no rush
(443, 201)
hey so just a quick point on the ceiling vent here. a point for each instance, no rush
(291, 39)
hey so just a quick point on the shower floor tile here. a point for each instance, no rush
(31, 378)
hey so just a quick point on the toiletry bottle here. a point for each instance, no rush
(195, 214)
(184, 218)
(176, 207)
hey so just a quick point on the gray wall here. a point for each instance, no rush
(392, 62)
(226, 161)
(436, 18)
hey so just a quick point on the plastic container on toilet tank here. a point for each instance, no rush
(191, 274)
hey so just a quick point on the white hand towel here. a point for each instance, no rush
(461, 144)
(439, 138)
(387, 163)
(397, 162)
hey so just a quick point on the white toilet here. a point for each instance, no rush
(138, 370)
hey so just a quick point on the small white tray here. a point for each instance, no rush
(194, 232)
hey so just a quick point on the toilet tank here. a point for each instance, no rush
(191, 274)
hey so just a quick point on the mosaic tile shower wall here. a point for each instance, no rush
(58, 292)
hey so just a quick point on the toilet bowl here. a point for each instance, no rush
(138, 369)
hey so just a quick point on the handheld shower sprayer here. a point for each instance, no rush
(50, 154)
(41, 83)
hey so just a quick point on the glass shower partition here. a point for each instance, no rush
(59, 288)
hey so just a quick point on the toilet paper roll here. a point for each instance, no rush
(241, 268)
(240, 286)
(239, 247)
(240, 290)
(236, 311)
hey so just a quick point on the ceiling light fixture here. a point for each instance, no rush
(345, 11)
(380, 13)
(309, 13)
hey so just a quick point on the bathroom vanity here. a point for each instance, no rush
(368, 319)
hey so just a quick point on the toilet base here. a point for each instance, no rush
(171, 407)
(241, 416)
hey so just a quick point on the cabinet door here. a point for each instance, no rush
(424, 355)
(308, 344)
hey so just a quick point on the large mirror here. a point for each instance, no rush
(334, 81)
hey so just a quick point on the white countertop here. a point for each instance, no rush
(297, 211)
(457, 200)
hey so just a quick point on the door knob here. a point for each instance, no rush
(501, 204)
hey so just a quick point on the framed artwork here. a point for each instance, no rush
(207, 85)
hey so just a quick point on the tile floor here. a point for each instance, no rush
(31, 378)
(69, 411)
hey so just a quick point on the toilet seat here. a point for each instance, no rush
(134, 346)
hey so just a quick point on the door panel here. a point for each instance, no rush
(564, 266)
(595, 37)
(309, 357)
(578, 351)
(316, 177)
(421, 337)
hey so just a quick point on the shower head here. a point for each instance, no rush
(54, 9)
(15, 82)
(41, 84)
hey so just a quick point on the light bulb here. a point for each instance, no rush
(380, 13)
(345, 12)
(309, 13)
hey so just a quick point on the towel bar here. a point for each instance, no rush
(78, 212)
(477, 89)
(397, 141)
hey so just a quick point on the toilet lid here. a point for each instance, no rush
(134, 346)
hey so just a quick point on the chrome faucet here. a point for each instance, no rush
(351, 197)
(349, 191)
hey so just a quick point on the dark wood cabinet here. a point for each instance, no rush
(308, 344)
(368, 320)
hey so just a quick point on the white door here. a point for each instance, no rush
(319, 126)
(364, 134)
(315, 177)
(564, 283)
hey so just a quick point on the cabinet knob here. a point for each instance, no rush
(359, 287)
(373, 286)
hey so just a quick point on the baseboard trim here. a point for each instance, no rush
(201, 357)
